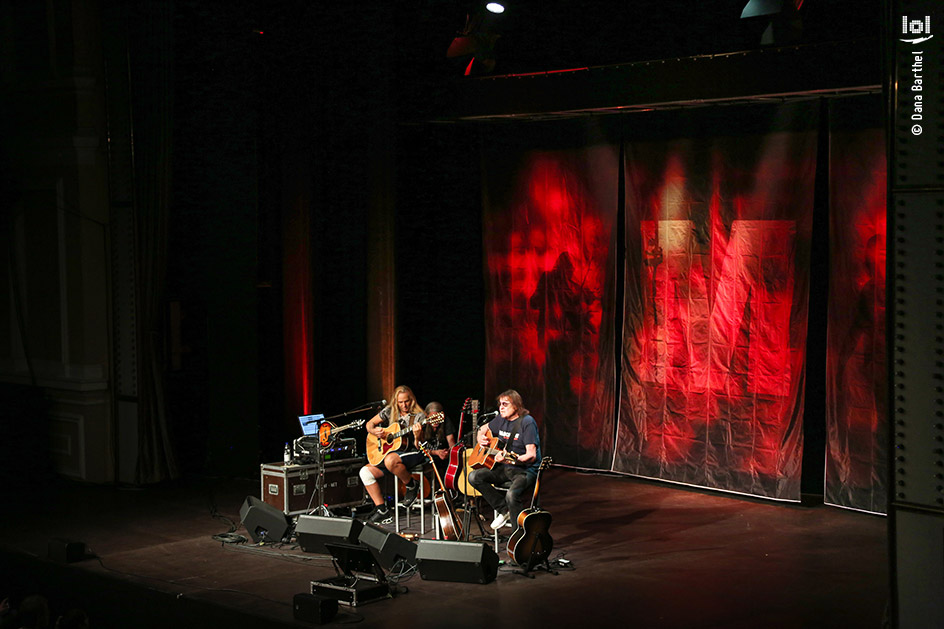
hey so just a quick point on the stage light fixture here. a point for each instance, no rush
(495, 7)
(474, 45)
(782, 20)
(758, 8)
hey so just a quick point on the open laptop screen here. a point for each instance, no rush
(310, 423)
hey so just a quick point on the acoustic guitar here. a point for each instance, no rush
(457, 453)
(392, 441)
(531, 543)
(448, 522)
(484, 456)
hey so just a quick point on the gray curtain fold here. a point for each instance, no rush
(151, 70)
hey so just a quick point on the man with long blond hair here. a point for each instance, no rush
(404, 412)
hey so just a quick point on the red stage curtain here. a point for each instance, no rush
(856, 415)
(549, 244)
(715, 318)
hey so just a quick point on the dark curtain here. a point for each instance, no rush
(718, 218)
(151, 55)
(549, 246)
(856, 414)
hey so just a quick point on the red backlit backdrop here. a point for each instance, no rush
(856, 414)
(550, 266)
(715, 319)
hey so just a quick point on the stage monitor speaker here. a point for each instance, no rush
(313, 608)
(312, 531)
(387, 547)
(264, 522)
(463, 562)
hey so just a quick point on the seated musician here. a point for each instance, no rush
(517, 432)
(402, 412)
(439, 437)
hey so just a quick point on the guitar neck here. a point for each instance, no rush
(407, 430)
(508, 453)
(545, 462)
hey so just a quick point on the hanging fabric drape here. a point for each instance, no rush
(856, 413)
(550, 263)
(718, 240)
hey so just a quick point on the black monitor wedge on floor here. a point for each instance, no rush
(263, 522)
(312, 531)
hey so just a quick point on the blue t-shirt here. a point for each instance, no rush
(518, 434)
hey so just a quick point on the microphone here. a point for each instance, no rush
(377, 403)
(489, 415)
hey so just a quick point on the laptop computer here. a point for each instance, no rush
(310, 424)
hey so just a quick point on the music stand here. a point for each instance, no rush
(360, 579)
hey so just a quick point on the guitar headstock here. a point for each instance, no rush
(475, 408)
(466, 405)
(357, 423)
(546, 463)
(435, 418)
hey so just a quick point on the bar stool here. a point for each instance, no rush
(504, 487)
(424, 484)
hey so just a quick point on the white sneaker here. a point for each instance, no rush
(501, 519)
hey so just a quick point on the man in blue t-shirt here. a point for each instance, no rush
(517, 433)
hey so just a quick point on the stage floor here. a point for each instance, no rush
(643, 554)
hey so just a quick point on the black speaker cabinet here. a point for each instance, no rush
(312, 531)
(313, 608)
(264, 522)
(66, 550)
(463, 562)
(386, 546)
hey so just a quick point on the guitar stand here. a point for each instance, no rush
(531, 565)
(470, 511)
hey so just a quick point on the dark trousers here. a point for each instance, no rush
(512, 501)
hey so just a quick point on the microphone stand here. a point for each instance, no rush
(470, 503)
(322, 508)
(359, 409)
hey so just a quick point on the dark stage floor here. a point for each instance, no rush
(644, 555)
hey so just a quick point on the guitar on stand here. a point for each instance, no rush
(457, 453)
(327, 431)
(531, 543)
(392, 441)
(457, 474)
(445, 510)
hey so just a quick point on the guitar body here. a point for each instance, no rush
(448, 522)
(324, 433)
(392, 440)
(484, 456)
(531, 543)
(456, 463)
(463, 481)
(380, 447)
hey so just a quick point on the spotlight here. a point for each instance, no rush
(757, 8)
(474, 45)
(781, 20)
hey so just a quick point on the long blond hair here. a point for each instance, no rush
(395, 408)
